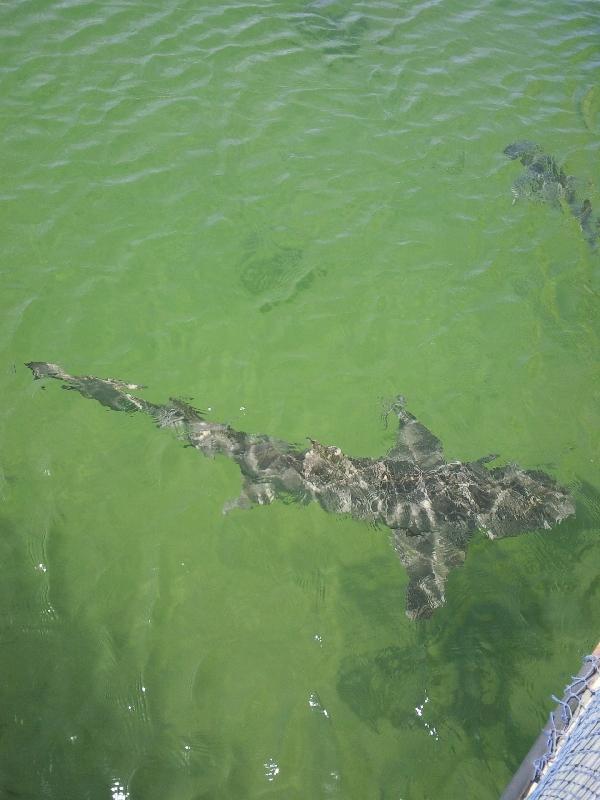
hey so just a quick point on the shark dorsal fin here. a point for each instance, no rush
(415, 443)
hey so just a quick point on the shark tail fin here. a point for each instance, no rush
(44, 369)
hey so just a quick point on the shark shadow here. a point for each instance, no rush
(432, 506)
(332, 32)
(543, 180)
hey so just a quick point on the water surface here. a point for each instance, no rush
(289, 212)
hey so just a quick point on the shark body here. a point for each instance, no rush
(543, 180)
(432, 506)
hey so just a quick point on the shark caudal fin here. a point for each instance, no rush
(44, 369)
(108, 392)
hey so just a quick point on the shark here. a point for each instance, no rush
(543, 179)
(431, 505)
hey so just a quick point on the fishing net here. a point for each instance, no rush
(569, 769)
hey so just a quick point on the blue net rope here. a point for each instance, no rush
(570, 767)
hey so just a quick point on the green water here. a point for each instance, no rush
(287, 211)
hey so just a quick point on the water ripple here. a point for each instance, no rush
(170, 174)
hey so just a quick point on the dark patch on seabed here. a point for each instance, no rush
(274, 272)
(332, 32)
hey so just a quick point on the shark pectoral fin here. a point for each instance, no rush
(242, 501)
(488, 458)
(425, 591)
(188, 412)
(479, 466)
(414, 442)
(428, 557)
(261, 494)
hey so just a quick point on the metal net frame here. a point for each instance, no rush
(569, 769)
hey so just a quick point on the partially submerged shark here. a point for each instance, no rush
(431, 505)
(544, 180)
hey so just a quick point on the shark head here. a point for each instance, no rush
(525, 500)
(524, 150)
